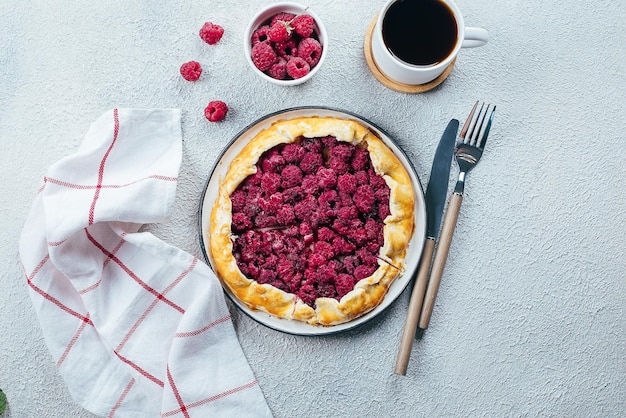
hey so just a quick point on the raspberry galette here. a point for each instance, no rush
(312, 221)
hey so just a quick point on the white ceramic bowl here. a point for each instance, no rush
(267, 13)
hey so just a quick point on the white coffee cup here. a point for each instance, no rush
(402, 71)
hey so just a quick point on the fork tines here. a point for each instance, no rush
(475, 130)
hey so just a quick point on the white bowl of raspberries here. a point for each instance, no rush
(285, 43)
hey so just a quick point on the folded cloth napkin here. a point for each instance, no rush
(137, 327)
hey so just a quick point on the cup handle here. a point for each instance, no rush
(474, 37)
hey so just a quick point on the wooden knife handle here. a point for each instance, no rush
(415, 307)
(441, 255)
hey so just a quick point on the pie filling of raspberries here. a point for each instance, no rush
(310, 220)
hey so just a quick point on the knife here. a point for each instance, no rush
(435, 199)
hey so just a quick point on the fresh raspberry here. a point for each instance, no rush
(360, 159)
(346, 183)
(293, 194)
(362, 178)
(279, 32)
(241, 222)
(328, 198)
(338, 165)
(366, 257)
(316, 260)
(191, 70)
(344, 283)
(305, 229)
(292, 176)
(211, 33)
(286, 49)
(342, 151)
(310, 184)
(312, 145)
(310, 50)
(364, 198)
(297, 67)
(305, 209)
(216, 111)
(382, 194)
(272, 162)
(270, 182)
(311, 162)
(273, 204)
(238, 200)
(264, 220)
(359, 236)
(283, 16)
(373, 229)
(324, 249)
(347, 212)
(286, 215)
(278, 70)
(308, 294)
(376, 181)
(341, 246)
(325, 234)
(327, 178)
(383, 211)
(263, 56)
(260, 35)
(363, 271)
(303, 25)
(292, 153)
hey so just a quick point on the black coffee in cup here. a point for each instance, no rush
(420, 32)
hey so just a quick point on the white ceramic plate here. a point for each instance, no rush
(219, 171)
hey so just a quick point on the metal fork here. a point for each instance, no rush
(469, 149)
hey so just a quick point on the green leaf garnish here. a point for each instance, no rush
(3, 402)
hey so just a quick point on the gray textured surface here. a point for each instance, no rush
(530, 316)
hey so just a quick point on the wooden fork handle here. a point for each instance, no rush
(441, 255)
(415, 307)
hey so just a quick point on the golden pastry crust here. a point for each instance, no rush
(398, 229)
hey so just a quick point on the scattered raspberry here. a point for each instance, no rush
(216, 111)
(284, 17)
(279, 32)
(211, 33)
(260, 35)
(191, 70)
(310, 50)
(297, 67)
(263, 56)
(303, 25)
(278, 70)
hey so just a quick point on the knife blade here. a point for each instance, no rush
(435, 199)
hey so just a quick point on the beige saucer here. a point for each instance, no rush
(392, 84)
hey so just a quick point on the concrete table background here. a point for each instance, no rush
(530, 316)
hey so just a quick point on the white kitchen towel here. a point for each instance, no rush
(137, 327)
